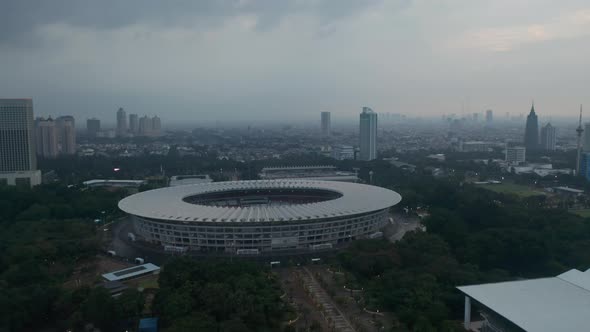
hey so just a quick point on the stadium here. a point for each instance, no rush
(259, 217)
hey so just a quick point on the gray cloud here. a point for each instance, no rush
(19, 18)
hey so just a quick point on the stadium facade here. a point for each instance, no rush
(258, 217)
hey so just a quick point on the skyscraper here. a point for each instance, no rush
(18, 163)
(121, 122)
(66, 134)
(134, 124)
(489, 117)
(368, 134)
(326, 125)
(531, 133)
(92, 127)
(46, 137)
(548, 133)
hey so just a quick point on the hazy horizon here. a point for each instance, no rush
(269, 61)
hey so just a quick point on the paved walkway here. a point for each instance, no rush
(331, 312)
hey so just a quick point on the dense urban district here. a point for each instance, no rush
(479, 205)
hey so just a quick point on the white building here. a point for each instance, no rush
(18, 162)
(368, 134)
(343, 152)
(515, 155)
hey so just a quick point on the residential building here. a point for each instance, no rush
(515, 155)
(489, 117)
(531, 133)
(92, 127)
(156, 126)
(18, 162)
(343, 152)
(548, 137)
(121, 123)
(326, 123)
(145, 126)
(66, 134)
(368, 134)
(46, 137)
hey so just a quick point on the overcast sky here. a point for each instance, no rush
(255, 60)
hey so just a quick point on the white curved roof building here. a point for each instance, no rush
(250, 217)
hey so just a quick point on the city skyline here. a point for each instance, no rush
(244, 59)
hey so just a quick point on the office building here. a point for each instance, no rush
(134, 124)
(531, 133)
(92, 127)
(515, 155)
(121, 123)
(584, 168)
(343, 152)
(368, 134)
(541, 305)
(548, 133)
(326, 125)
(66, 134)
(489, 117)
(46, 137)
(18, 162)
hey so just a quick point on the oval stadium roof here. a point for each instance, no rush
(167, 203)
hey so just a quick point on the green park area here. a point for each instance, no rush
(511, 188)
(584, 213)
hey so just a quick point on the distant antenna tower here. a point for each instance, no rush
(579, 130)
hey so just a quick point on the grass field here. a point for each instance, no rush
(584, 213)
(511, 188)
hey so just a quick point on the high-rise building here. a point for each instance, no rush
(531, 133)
(343, 152)
(134, 124)
(93, 127)
(515, 155)
(548, 137)
(489, 117)
(585, 165)
(368, 134)
(145, 125)
(326, 125)
(121, 123)
(66, 134)
(46, 137)
(18, 162)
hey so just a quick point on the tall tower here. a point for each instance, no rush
(368, 134)
(531, 133)
(18, 163)
(548, 137)
(579, 131)
(326, 125)
(489, 117)
(121, 122)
